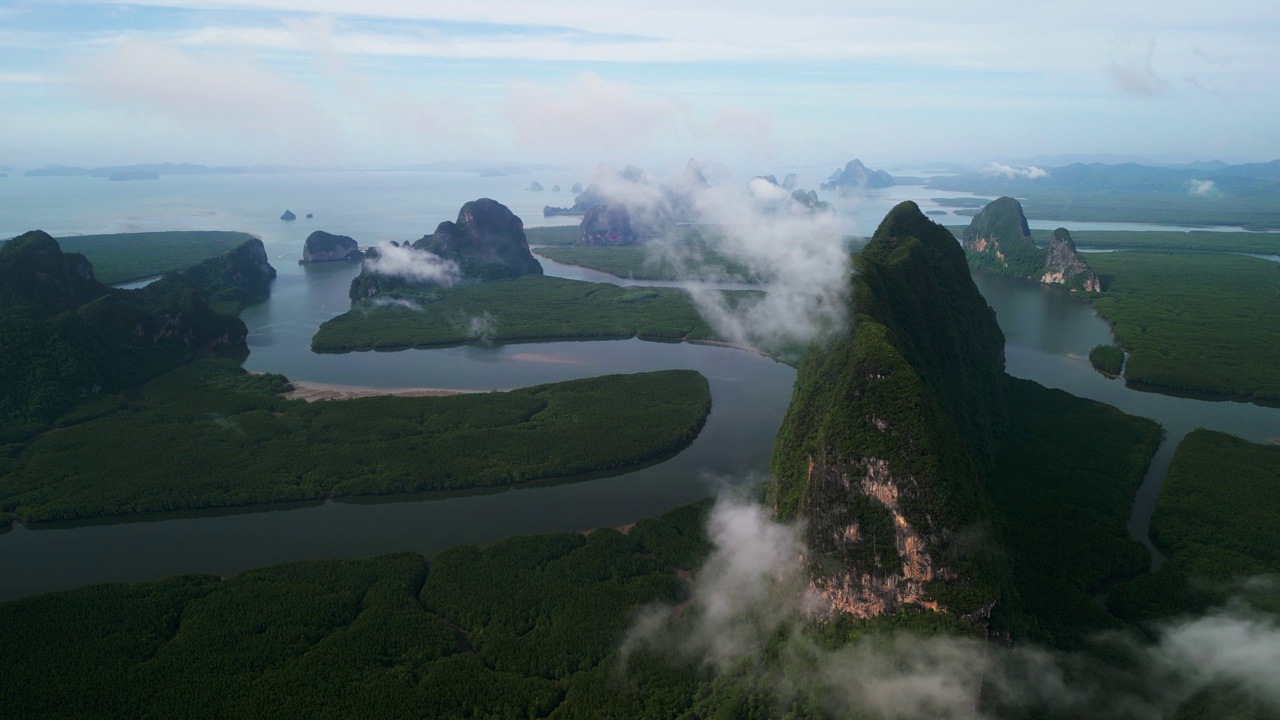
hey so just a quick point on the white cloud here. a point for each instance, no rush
(1031, 172)
(800, 259)
(412, 264)
(1200, 187)
(1132, 71)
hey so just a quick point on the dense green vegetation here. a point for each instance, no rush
(121, 257)
(528, 627)
(64, 336)
(233, 280)
(915, 383)
(533, 307)
(211, 435)
(1107, 359)
(1063, 483)
(999, 240)
(1216, 520)
(554, 235)
(1195, 322)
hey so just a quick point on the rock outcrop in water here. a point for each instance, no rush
(998, 240)
(1063, 265)
(889, 425)
(802, 201)
(325, 247)
(856, 177)
(487, 242)
(288, 216)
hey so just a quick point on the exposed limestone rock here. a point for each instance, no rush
(1065, 266)
(999, 240)
(891, 422)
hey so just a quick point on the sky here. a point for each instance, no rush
(774, 84)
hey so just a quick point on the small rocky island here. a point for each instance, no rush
(326, 247)
(999, 240)
(288, 216)
(856, 177)
(487, 241)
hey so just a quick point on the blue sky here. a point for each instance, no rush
(808, 82)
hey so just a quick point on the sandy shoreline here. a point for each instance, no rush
(312, 391)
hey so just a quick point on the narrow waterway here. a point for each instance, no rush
(1048, 335)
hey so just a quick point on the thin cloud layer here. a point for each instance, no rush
(751, 594)
(411, 264)
(1031, 172)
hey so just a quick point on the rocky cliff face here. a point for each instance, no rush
(487, 242)
(239, 277)
(608, 225)
(325, 247)
(999, 240)
(890, 423)
(1064, 266)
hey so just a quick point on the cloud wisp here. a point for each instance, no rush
(799, 258)
(411, 264)
(1133, 73)
(1031, 172)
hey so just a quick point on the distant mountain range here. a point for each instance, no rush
(1200, 178)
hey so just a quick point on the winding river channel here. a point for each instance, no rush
(1048, 333)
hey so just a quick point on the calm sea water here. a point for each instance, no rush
(1049, 335)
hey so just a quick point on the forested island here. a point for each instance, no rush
(211, 435)
(534, 307)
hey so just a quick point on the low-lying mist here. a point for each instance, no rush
(750, 612)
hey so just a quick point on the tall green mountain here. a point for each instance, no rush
(998, 240)
(239, 277)
(487, 241)
(890, 425)
(64, 336)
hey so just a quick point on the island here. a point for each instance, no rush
(999, 240)
(321, 246)
(205, 417)
(288, 216)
